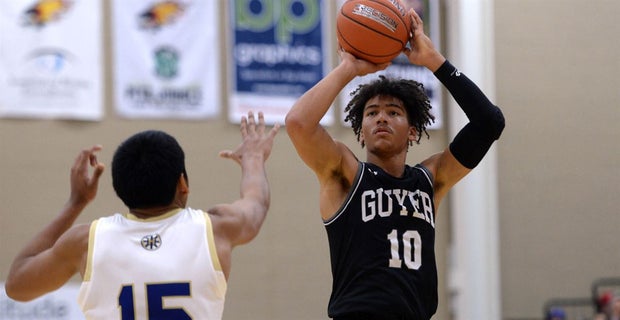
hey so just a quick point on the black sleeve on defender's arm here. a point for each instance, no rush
(486, 121)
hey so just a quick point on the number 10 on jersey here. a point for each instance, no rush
(412, 249)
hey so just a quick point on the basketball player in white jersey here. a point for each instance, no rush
(162, 259)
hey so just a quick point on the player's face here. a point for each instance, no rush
(385, 127)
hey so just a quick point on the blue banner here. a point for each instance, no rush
(278, 53)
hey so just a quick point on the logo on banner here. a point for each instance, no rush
(166, 62)
(285, 17)
(161, 14)
(48, 61)
(45, 11)
(47, 74)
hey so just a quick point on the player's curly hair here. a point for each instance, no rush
(410, 92)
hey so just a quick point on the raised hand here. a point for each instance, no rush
(360, 67)
(422, 51)
(84, 185)
(255, 141)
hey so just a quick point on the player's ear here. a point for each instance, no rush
(413, 135)
(182, 184)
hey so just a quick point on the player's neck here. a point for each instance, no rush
(145, 213)
(392, 163)
(394, 166)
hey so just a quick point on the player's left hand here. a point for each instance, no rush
(83, 184)
(422, 51)
(256, 142)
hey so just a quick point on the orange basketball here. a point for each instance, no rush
(373, 30)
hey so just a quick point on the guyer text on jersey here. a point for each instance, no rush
(384, 203)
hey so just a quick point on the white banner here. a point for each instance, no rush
(166, 58)
(50, 59)
(57, 305)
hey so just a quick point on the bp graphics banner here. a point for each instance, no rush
(166, 58)
(428, 10)
(50, 59)
(279, 50)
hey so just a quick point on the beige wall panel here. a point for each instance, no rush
(557, 66)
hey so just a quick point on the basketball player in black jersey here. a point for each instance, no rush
(380, 214)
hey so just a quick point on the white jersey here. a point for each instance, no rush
(159, 268)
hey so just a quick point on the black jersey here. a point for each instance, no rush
(382, 246)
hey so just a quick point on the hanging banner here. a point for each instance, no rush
(428, 10)
(280, 49)
(166, 59)
(50, 59)
(60, 304)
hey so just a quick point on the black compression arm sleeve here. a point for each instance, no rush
(486, 121)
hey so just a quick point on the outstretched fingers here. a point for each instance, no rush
(251, 123)
(243, 126)
(261, 123)
(254, 138)
(274, 131)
